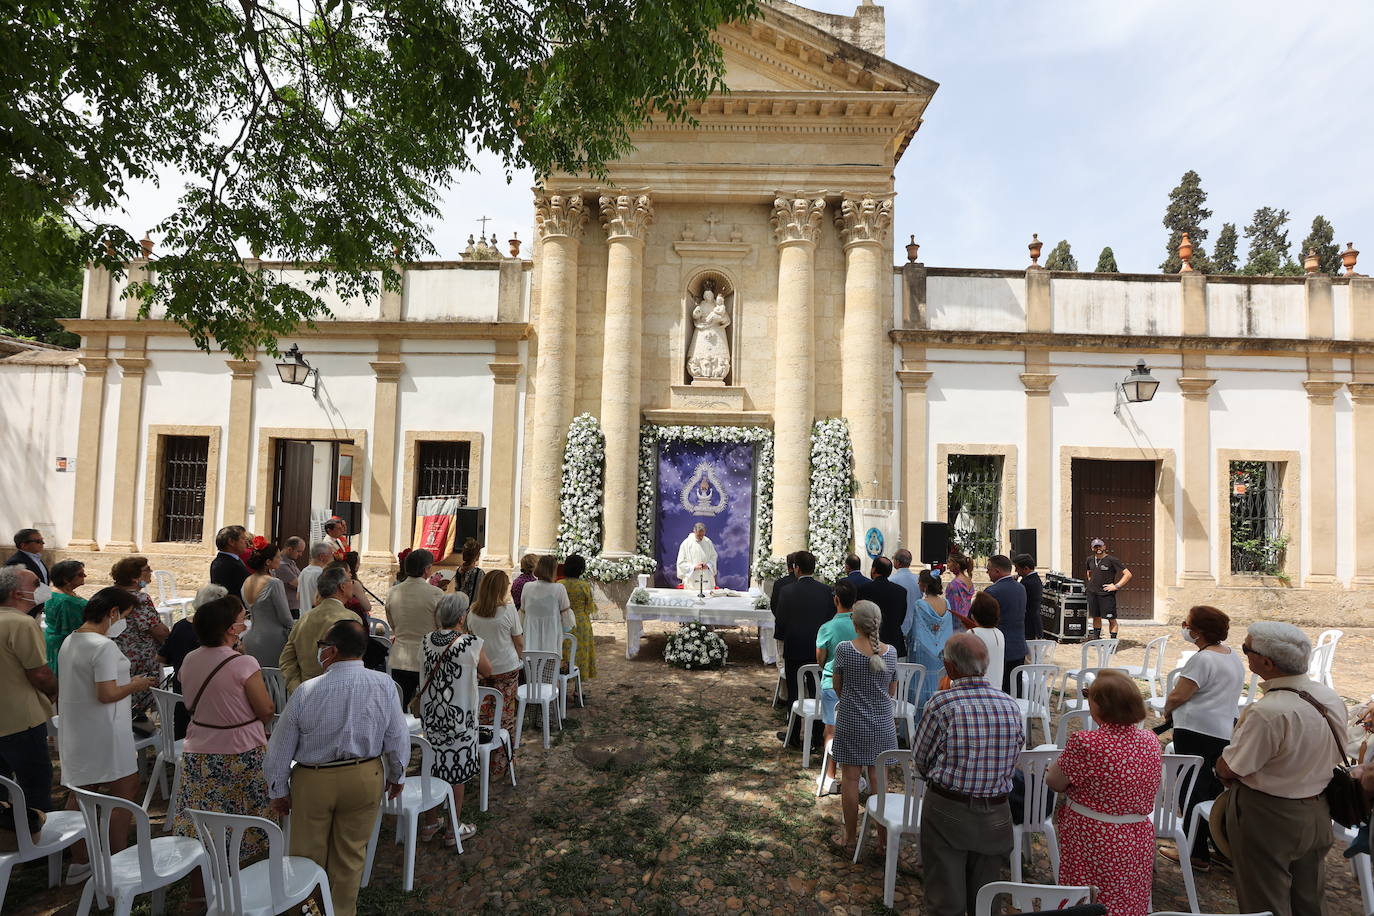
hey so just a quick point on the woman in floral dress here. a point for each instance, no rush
(959, 591)
(930, 626)
(144, 631)
(1111, 776)
(583, 606)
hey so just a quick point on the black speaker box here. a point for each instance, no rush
(352, 513)
(934, 542)
(1023, 541)
(472, 523)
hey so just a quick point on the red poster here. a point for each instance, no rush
(435, 534)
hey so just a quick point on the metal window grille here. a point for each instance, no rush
(441, 469)
(975, 502)
(185, 460)
(1257, 539)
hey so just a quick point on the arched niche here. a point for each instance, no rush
(723, 287)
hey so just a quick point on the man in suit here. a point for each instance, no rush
(802, 607)
(852, 573)
(903, 576)
(1030, 581)
(29, 555)
(776, 594)
(1011, 597)
(891, 600)
(227, 567)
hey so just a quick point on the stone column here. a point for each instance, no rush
(915, 452)
(559, 219)
(797, 228)
(240, 446)
(95, 364)
(865, 351)
(1321, 471)
(1362, 398)
(1039, 454)
(125, 501)
(381, 514)
(505, 419)
(1197, 492)
(625, 218)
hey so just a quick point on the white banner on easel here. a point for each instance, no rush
(876, 526)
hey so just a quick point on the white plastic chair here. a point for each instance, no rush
(541, 687)
(1251, 694)
(1180, 770)
(151, 865)
(1360, 865)
(1030, 688)
(1082, 717)
(1041, 651)
(168, 755)
(780, 690)
(60, 830)
(1031, 898)
(903, 710)
(1095, 653)
(1323, 656)
(166, 584)
(573, 674)
(1038, 811)
(899, 812)
(499, 738)
(1156, 704)
(1151, 667)
(274, 885)
(1086, 676)
(413, 723)
(807, 708)
(419, 794)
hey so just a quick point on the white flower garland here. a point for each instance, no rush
(832, 486)
(695, 646)
(579, 526)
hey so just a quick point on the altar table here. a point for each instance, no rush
(680, 606)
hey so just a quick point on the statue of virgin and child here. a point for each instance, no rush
(708, 357)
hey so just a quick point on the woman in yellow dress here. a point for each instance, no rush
(583, 606)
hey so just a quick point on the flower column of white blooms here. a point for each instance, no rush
(579, 529)
(831, 488)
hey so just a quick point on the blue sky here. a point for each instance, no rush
(1074, 119)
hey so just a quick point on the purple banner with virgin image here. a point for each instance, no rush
(711, 483)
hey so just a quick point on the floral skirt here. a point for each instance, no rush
(507, 684)
(225, 784)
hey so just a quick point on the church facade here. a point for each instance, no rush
(733, 284)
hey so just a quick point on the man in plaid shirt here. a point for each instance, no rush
(967, 746)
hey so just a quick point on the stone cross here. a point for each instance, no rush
(711, 220)
(484, 220)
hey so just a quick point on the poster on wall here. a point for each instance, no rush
(434, 525)
(876, 528)
(711, 483)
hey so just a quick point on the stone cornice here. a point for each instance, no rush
(914, 379)
(387, 370)
(797, 216)
(1130, 343)
(560, 213)
(365, 330)
(1360, 391)
(1321, 389)
(626, 215)
(1037, 382)
(133, 365)
(1195, 386)
(507, 373)
(94, 365)
(242, 368)
(700, 417)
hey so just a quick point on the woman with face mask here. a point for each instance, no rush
(96, 738)
(145, 632)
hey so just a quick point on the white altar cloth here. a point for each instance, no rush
(680, 606)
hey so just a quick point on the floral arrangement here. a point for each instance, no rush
(694, 646)
(832, 486)
(618, 569)
(641, 596)
(584, 456)
(761, 603)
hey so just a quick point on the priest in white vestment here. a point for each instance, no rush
(696, 558)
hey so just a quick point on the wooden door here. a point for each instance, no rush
(1115, 500)
(291, 490)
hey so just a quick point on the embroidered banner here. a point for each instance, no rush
(711, 483)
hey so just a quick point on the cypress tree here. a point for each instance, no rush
(1061, 258)
(1224, 258)
(1321, 238)
(1106, 262)
(1269, 245)
(1186, 213)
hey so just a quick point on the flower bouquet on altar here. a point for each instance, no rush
(641, 596)
(694, 646)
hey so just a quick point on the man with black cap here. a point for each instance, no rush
(1106, 576)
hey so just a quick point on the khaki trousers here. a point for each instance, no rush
(332, 814)
(1278, 851)
(964, 845)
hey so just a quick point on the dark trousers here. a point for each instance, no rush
(1206, 787)
(24, 758)
(1008, 666)
(410, 683)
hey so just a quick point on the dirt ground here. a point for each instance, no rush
(669, 793)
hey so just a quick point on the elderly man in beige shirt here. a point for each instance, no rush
(300, 656)
(1280, 759)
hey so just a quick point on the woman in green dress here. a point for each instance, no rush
(583, 606)
(63, 612)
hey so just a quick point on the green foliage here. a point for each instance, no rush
(317, 133)
(1224, 258)
(1186, 213)
(1061, 258)
(1321, 239)
(32, 311)
(1258, 544)
(1106, 262)
(1268, 255)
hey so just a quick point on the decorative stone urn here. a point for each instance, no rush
(1348, 259)
(1311, 262)
(1034, 247)
(514, 243)
(1185, 254)
(912, 250)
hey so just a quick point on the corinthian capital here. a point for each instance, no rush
(559, 213)
(626, 215)
(864, 217)
(797, 216)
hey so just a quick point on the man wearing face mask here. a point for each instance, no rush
(28, 686)
(347, 734)
(299, 657)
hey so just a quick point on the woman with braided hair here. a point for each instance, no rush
(866, 680)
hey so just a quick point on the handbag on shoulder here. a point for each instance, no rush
(1344, 794)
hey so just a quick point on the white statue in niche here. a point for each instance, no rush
(708, 358)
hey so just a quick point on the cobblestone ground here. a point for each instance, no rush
(669, 793)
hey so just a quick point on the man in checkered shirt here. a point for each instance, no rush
(967, 746)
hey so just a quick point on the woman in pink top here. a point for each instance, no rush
(222, 760)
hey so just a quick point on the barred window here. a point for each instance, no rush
(975, 503)
(1258, 542)
(185, 461)
(441, 469)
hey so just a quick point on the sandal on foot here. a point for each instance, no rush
(429, 832)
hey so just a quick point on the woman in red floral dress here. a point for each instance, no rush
(1110, 777)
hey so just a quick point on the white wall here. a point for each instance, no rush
(40, 414)
(1093, 306)
(976, 303)
(1256, 310)
(451, 295)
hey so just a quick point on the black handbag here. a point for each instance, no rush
(1344, 795)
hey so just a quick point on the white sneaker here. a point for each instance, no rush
(832, 787)
(78, 872)
(863, 785)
